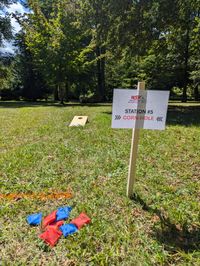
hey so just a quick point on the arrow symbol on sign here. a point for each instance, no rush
(159, 119)
(117, 117)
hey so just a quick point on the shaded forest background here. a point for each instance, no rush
(83, 49)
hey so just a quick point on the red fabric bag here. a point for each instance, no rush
(49, 219)
(81, 220)
(55, 225)
(51, 236)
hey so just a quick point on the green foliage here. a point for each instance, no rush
(9, 79)
(5, 26)
(54, 41)
(5, 76)
(161, 38)
(94, 46)
(33, 85)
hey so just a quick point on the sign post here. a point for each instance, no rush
(137, 109)
(134, 151)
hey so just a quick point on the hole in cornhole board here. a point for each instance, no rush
(79, 121)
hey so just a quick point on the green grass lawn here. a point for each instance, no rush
(39, 152)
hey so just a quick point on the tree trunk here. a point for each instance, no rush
(103, 75)
(61, 92)
(67, 88)
(184, 95)
(55, 94)
(186, 59)
(100, 74)
(196, 92)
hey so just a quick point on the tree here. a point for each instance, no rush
(94, 19)
(181, 38)
(9, 78)
(5, 26)
(88, 47)
(195, 60)
(32, 82)
(53, 40)
(160, 37)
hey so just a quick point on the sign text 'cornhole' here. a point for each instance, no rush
(139, 109)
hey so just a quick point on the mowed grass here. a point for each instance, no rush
(40, 153)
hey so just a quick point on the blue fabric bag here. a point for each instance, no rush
(68, 229)
(34, 219)
(63, 213)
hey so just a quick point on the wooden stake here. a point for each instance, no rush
(133, 154)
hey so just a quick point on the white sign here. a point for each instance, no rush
(144, 109)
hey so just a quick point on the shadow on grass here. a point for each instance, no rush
(177, 114)
(172, 236)
(181, 115)
(22, 104)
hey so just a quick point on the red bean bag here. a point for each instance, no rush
(81, 220)
(51, 236)
(55, 225)
(49, 219)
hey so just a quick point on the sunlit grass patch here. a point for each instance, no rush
(39, 153)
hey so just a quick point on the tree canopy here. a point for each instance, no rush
(82, 49)
(5, 26)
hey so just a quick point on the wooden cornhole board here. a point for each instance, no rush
(79, 121)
